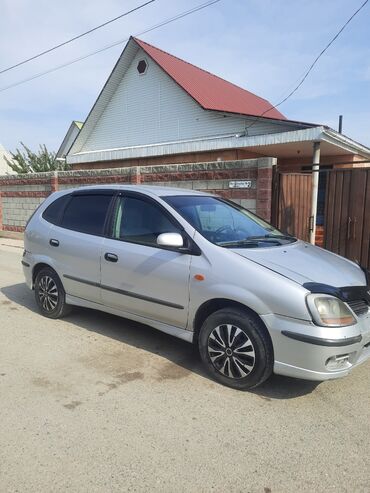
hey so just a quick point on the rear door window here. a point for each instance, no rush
(86, 213)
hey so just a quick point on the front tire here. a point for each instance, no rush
(50, 295)
(236, 348)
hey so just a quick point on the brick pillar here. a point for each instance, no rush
(135, 175)
(264, 187)
(54, 182)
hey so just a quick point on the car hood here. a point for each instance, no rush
(303, 262)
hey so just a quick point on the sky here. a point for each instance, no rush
(261, 45)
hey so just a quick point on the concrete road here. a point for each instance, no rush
(95, 403)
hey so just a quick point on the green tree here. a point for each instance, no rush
(27, 161)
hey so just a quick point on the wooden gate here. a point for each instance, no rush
(292, 204)
(347, 214)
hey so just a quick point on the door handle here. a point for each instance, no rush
(111, 257)
(54, 243)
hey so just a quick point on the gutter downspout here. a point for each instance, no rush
(315, 190)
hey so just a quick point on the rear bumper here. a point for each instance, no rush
(27, 271)
(303, 350)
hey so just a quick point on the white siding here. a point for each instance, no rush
(5, 169)
(152, 108)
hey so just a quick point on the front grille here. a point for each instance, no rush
(360, 307)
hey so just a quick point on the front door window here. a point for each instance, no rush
(140, 221)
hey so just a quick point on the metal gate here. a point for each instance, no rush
(292, 203)
(347, 214)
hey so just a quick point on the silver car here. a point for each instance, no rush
(201, 268)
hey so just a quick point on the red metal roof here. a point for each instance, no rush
(210, 91)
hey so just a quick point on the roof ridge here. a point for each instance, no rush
(202, 69)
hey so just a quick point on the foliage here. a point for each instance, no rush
(27, 161)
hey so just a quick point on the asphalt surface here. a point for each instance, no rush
(95, 403)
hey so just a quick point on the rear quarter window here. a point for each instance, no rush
(53, 213)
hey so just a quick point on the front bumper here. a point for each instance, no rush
(304, 350)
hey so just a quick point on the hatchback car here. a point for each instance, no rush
(206, 270)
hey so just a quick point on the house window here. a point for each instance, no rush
(142, 67)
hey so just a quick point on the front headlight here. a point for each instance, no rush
(329, 311)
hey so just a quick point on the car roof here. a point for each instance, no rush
(159, 191)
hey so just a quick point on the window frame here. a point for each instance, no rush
(190, 247)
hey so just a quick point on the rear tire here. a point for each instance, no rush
(236, 349)
(50, 295)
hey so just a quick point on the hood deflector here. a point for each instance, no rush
(348, 293)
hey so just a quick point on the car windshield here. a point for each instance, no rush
(225, 223)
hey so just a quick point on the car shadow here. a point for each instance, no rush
(148, 339)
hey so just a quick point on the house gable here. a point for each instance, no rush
(209, 90)
(141, 109)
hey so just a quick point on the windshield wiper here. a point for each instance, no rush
(253, 241)
(271, 237)
(247, 243)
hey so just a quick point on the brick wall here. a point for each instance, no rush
(21, 194)
(19, 197)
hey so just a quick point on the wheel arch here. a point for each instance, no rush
(61, 308)
(211, 306)
(37, 268)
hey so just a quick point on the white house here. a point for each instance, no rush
(5, 169)
(156, 108)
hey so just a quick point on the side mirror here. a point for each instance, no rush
(174, 240)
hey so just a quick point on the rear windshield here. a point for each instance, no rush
(225, 223)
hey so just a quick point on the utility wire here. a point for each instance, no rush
(156, 26)
(76, 37)
(311, 66)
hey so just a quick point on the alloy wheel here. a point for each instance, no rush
(48, 293)
(231, 351)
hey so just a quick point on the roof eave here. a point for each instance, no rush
(197, 145)
(336, 138)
